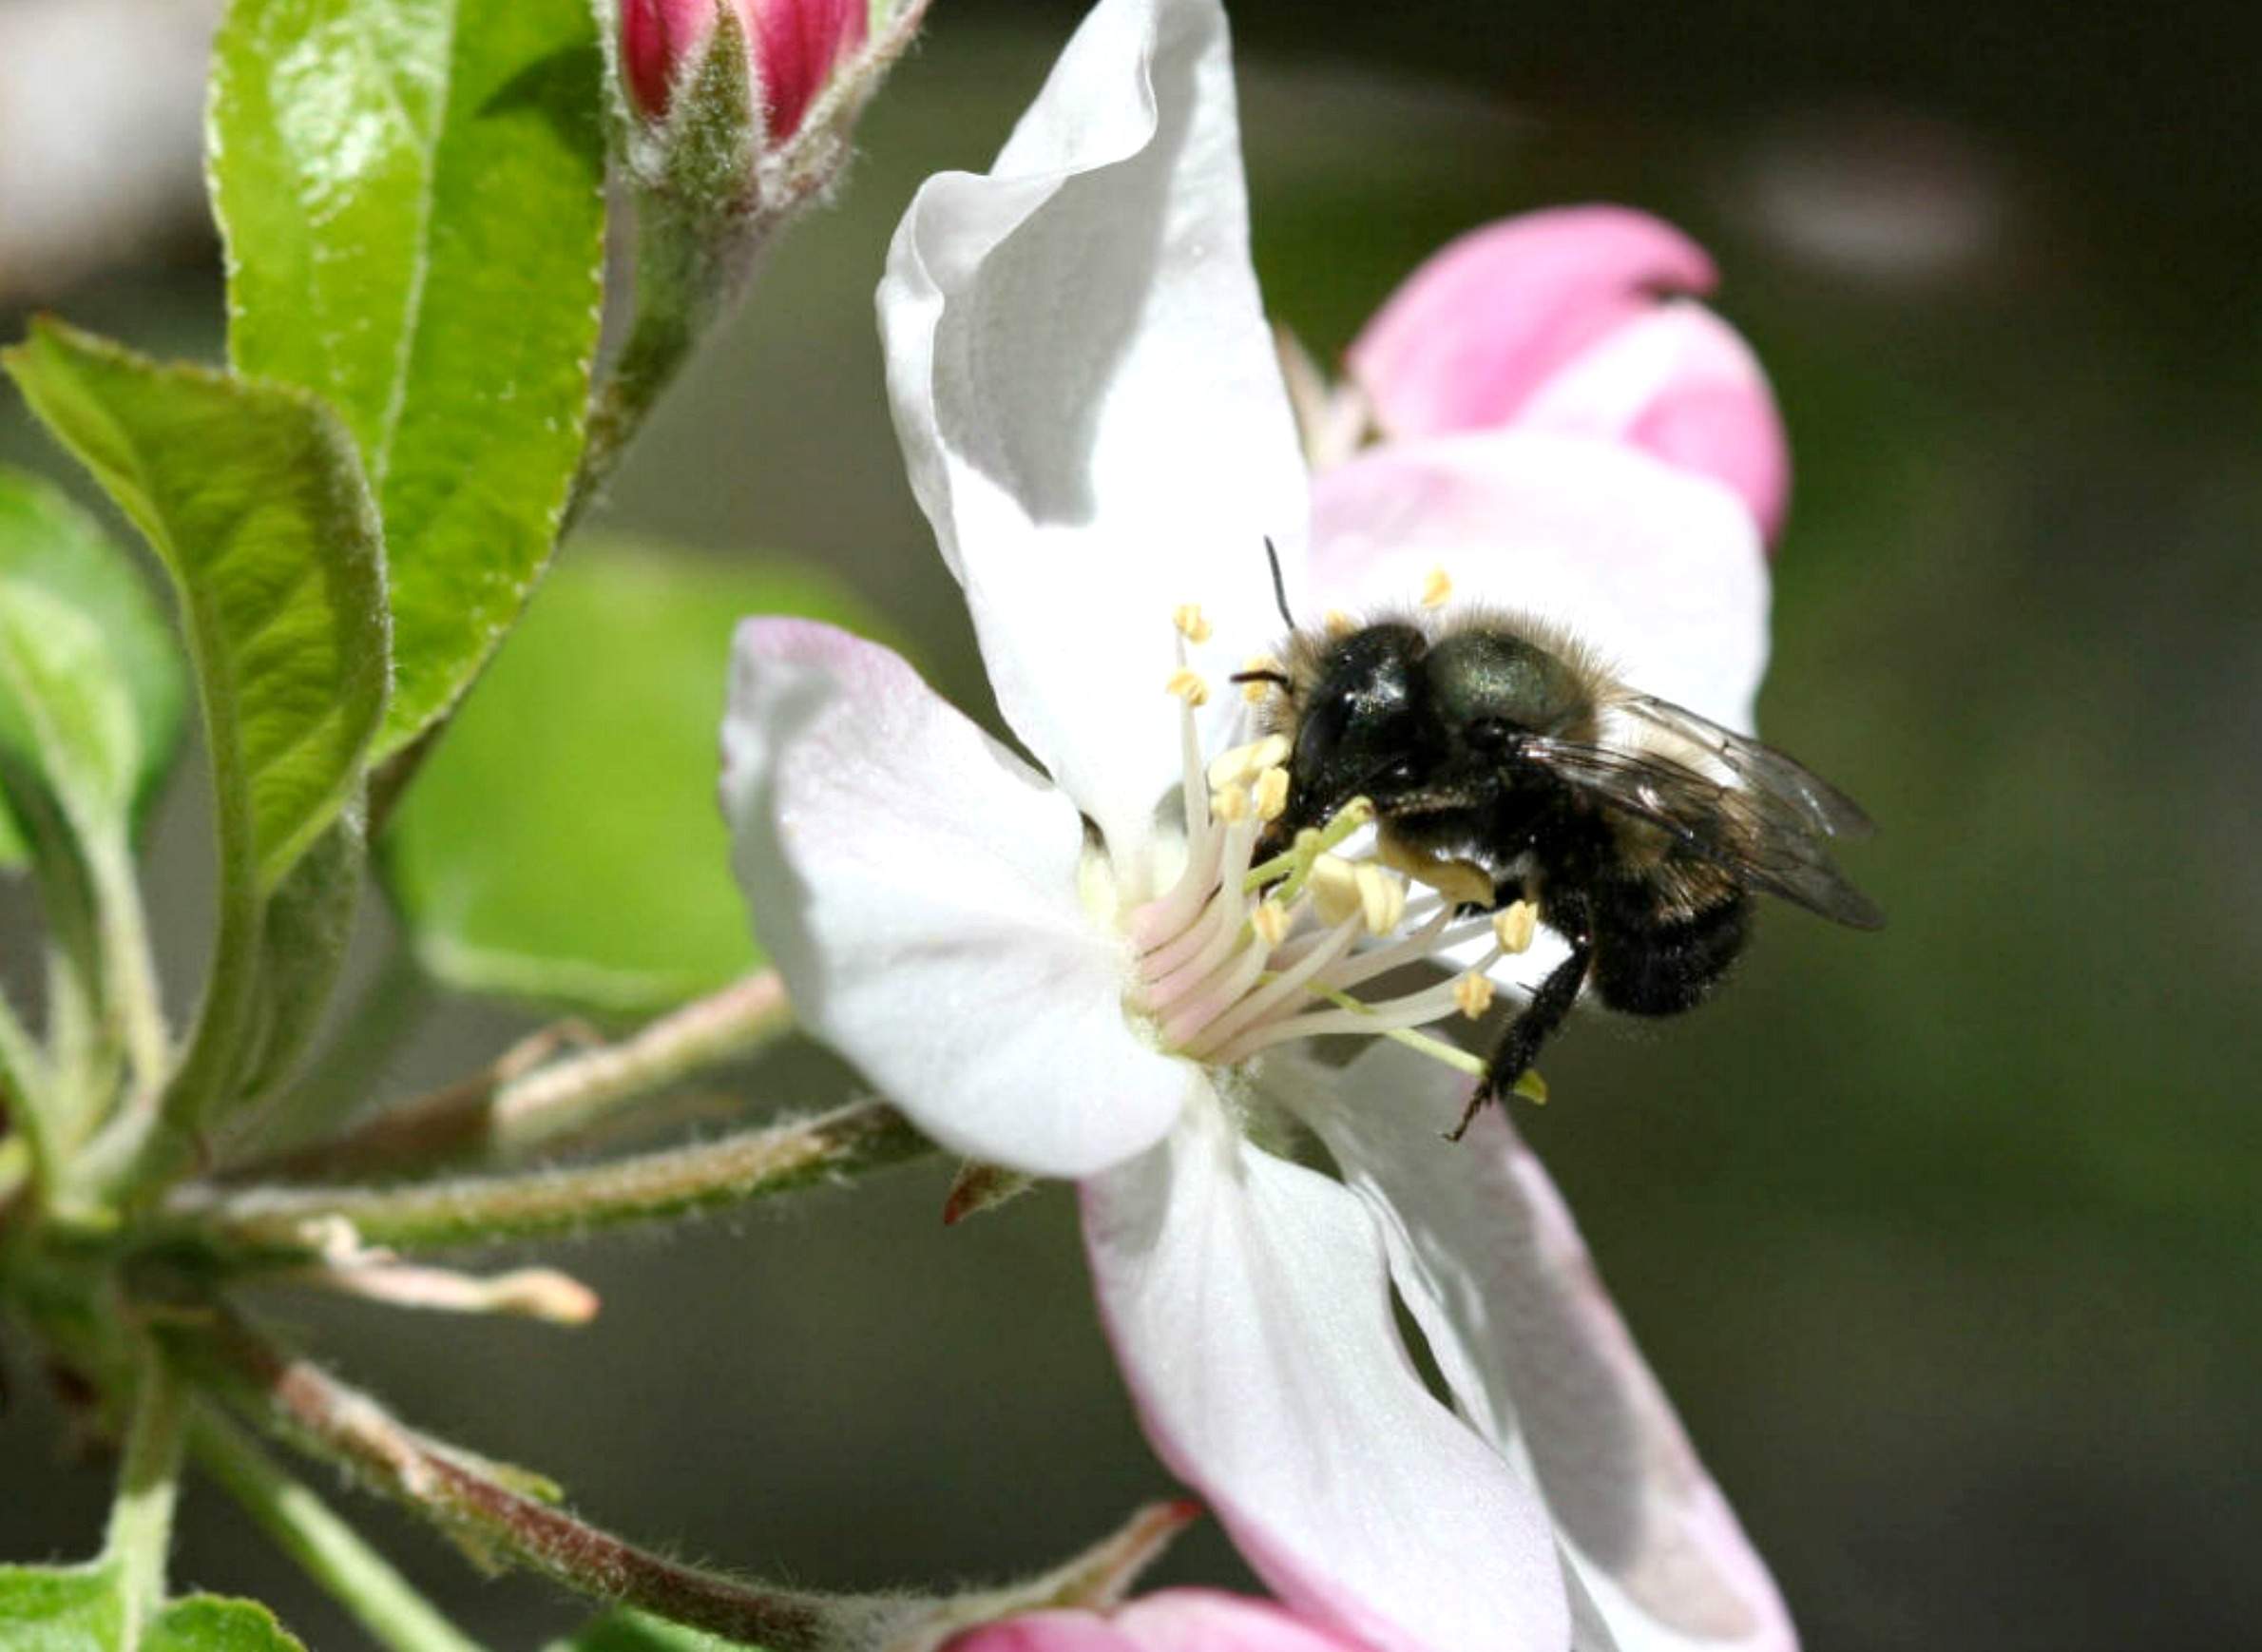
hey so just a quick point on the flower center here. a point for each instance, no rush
(1238, 955)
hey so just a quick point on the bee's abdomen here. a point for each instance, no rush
(1652, 962)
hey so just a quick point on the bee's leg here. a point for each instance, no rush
(1519, 1044)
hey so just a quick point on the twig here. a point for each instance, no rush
(141, 1531)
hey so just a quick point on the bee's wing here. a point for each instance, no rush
(1758, 767)
(1770, 841)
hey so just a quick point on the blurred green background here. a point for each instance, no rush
(1944, 1240)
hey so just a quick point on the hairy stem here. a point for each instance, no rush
(304, 1404)
(140, 1530)
(504, 1111)
(325, 1547)
(291, 1225)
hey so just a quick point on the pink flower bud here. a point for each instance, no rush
(1173, 1620)
(792, 48)
(1573, 321)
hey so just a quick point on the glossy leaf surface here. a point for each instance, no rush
(410, 191)
(253, 498)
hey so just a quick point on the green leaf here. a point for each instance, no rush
(302, 944)
(253, 498)
(214, 1624)
(61, 1608)
(90, 680)
(80, 1608)
(412, 194)
(627, 1631)
(564, 843)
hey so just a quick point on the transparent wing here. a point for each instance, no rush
(1758, 767)
(1771, 843)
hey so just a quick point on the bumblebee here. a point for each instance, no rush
(1638, 830)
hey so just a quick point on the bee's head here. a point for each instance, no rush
(1362, 725)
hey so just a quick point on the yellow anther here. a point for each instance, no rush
(1338, 623)
(1335, 894)
(1229, 804)
(1472, 995)
(1244, 763)
(1270, 921)
(1188, 685)
(1437, 590)
(1191, 623)
(1382, 899)
(1514, 925)
(1272, 794)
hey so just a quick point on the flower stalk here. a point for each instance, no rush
(296, 1225)
(525, 1102)
(325, 1547)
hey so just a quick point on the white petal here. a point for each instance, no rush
(916, 885)
(1088, 400)
(1492, 1267)
(1660, 569)
(1249, 1306)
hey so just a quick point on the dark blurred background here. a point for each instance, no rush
(1944, 1240)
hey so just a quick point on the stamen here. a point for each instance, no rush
(1515, 925)
(1188, 685)
(1242, 764)
(1272, 795)
(1472, 996)
(1269, 921)
(1230, 805)
(1191, 624)
(1334, 889)
(1437, 590)
(1382, 899)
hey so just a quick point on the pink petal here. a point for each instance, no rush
(796, 46)
(1173, 1620)
(916, 885)
(656, 37)
(1681, 383)
(1492, 1267)
(1089, 401)
(1249, 1306)
(1475, 331)
(1660, 569)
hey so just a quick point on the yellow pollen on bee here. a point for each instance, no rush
(1188, 685)
(1338, 623)
(1472, 995)
(1460, 882)
(1270, 921)
(1244, 763)
(1255, 692)
(1191, 623)
(1515, 925)
(1272, 794)
(1437, 590)
(1228, 803)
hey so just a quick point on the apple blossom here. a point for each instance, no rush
(792, 48)
(1072, 969)
(1582, 320)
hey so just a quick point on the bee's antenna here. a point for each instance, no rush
(1272, 555)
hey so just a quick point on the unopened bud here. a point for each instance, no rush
(793, 48)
